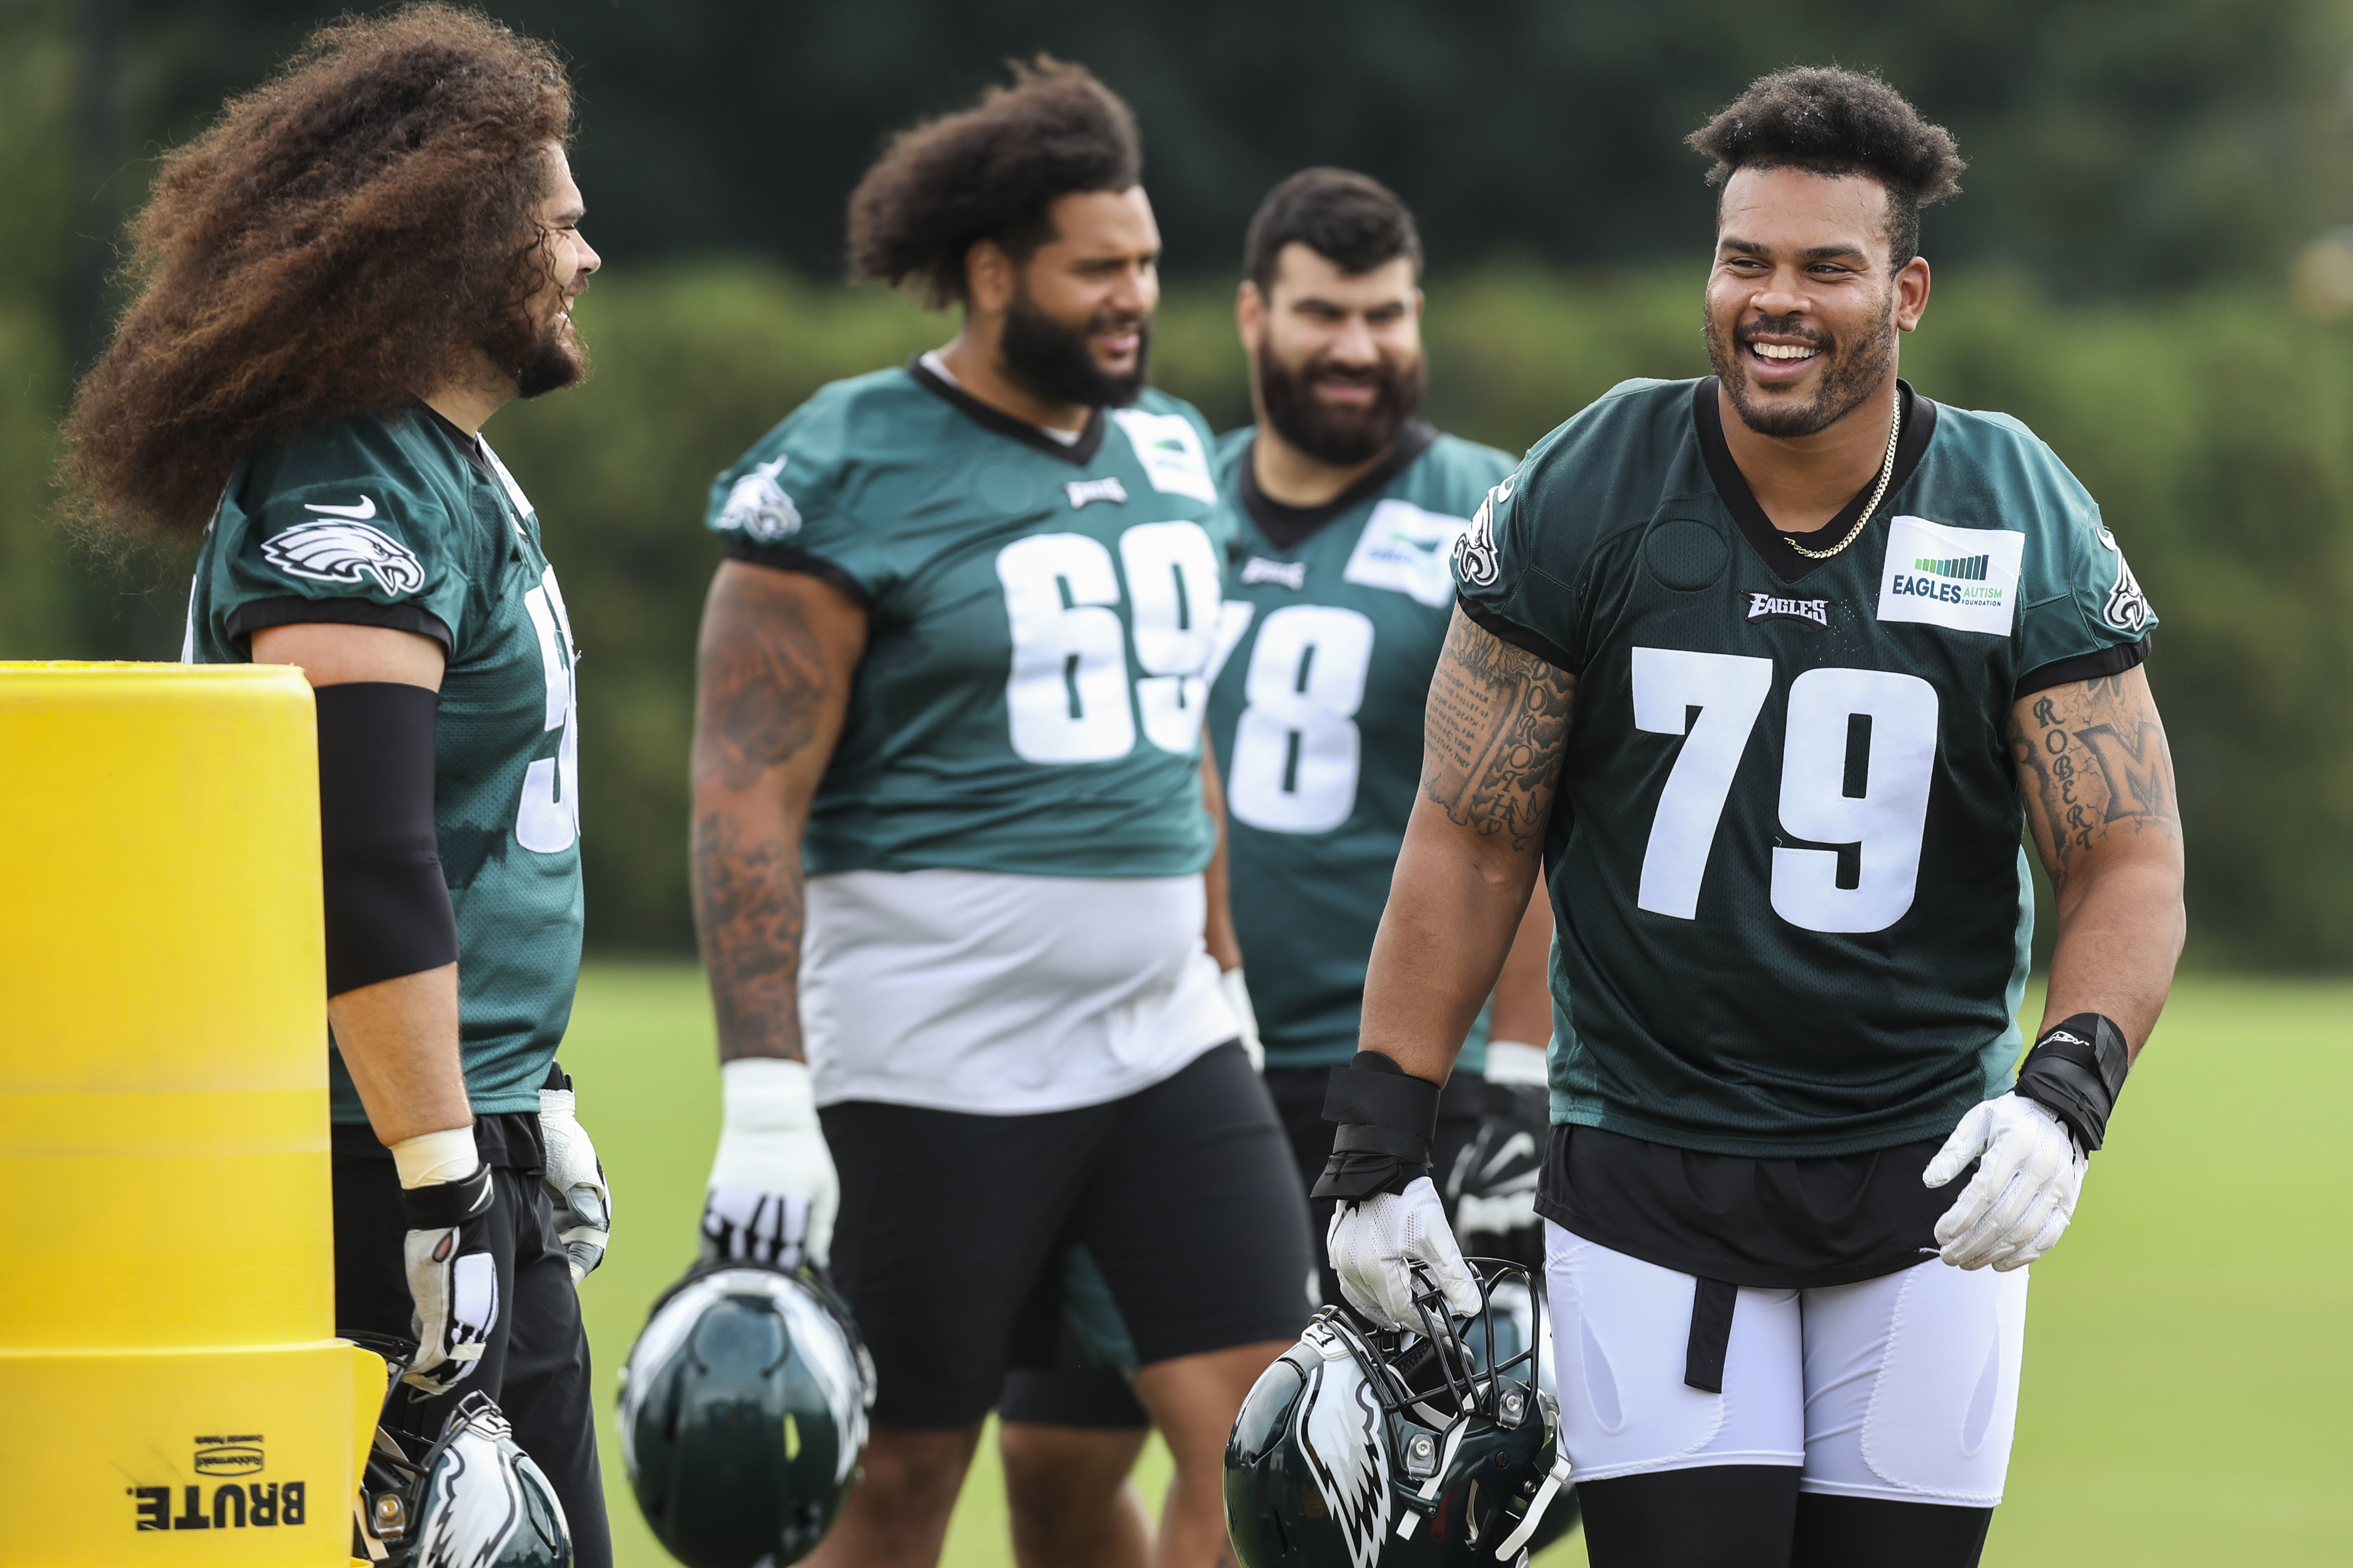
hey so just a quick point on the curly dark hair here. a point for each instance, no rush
(989, 173)
(329, 244)
(1351, 220)
(1828, 121)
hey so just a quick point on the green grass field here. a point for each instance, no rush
(2188, 1354)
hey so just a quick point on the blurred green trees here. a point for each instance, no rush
(2114, 277)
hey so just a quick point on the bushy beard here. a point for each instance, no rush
(1851, 374)
(1052, 363)
(538, 357)
(1342, 437)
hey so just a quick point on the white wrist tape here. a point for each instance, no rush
(431, 1158)
(1515, 1061)
(766, 1102)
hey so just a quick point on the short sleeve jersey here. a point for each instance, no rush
(1791, 906)
(1333, 620)
(1040, 617)
(402, 519)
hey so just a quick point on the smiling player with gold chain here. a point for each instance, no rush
(1769, 670)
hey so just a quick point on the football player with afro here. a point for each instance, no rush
(1767, 672)
(357, 265)
(956, 840)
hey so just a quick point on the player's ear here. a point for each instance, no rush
(1250, 314)
(987, 276)
(1911, 294)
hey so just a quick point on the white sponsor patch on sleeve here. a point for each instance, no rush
(1407, 549)
(1964, 578)
(1170, 450)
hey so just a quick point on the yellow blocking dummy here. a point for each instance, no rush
(171, 1391)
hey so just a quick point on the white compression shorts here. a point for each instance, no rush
(1902, 1387)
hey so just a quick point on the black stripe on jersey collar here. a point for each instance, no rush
(470, 446)
(1078, 454)
(1919, 419)
(1287, 527)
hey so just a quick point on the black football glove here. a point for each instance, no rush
(452, 1277)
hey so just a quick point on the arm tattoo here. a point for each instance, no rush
(750, 903)
(1494, 733)
(2092, 761)
(761, 676)
(764, 691)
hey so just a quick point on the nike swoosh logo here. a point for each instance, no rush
(360, 514)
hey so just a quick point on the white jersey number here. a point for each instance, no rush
(1067, 695)
(1885, 822)
(1297, 751)
(549, 818)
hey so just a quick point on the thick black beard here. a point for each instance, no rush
(1850, 376)
(538, 359)
(1340, 437)
(1052, 363)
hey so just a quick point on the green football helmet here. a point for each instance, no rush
(474, 1501)
(744, 1414)
(1364, 1448)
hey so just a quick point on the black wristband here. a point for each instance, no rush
(1388, 1128)
(2076, 1071)
(386, 906)
(439, 1204)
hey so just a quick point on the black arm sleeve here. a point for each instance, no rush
(387, 907)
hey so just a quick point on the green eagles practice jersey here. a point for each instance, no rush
(1791, 908)
(1315, 713)
(1039, 622)
(404, 521)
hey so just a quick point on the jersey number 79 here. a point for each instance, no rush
(1885, 819)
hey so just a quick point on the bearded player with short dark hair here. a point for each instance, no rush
(357, 265)
(1337, 597)
(1769, 671)
(1350, 508)
(951, 838)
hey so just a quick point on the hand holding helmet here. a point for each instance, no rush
(773, 1190)
(1389, 1219)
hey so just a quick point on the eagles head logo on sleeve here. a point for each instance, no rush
(758, 505)
(1475, 565)
(342, 549)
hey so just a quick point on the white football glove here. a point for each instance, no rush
(574, 1180)
(1516, 1061)
(773, 1189)
(1237, 991)
(2018, 1206)
(453, 1280)
(1374, 1244)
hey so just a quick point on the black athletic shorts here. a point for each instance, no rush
(954, 1238)
(536, 1363)
(1077, 1390)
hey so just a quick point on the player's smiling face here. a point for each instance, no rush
(1098, 279)
(1802, 309)
(1337, 355)
(541, 351)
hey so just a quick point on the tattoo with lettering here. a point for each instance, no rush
(1494, 734)
(2092, 762)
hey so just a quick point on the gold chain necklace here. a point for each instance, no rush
(1886, 472)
